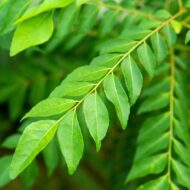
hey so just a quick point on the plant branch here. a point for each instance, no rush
(172, 87)
(182, 11)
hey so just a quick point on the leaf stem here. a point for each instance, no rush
(172, 89)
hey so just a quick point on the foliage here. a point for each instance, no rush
(137, 80)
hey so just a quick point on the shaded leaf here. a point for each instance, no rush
(51, 156)
(182, 173)
(11, 141)
(187, 38)
(152, 146)
(182, 152)
(4, 167)
(29, 176)
(150, 165)
(156, 184)
(154, 103)
(153, 127)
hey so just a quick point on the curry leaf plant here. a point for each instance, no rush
(137, 63)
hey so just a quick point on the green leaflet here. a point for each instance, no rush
(30, 145)
(29, 176)
(147, 58)
(182, 133)
(49, 107)
(88, 18)
(80, 2)
(51, 156)
(182, 172)
(4, 167)
(181, 63)
(149, 24)
(38, 88)
(7, 10)
(161, 86)
(47, 5)
(158, 123)
(150, 165)
(117, 46)
(179, 93)
(157, 184)
(96, 117)
(154, 103)
(180, 111)
(159, 47)
(6, 92)
(117, 95)
(170, 35)
(11, 142)
(107, 60)
(74, 41)
(87, 73)
(135, 33)
(152, 146)
(162, 14)
(182, 151)
(32, 32)
(133, 78)
(70, 140)
(187, 38)
(162, 70)
(108, 22)
(64, 25)
(16, 102)
(173, 186)
(177, 26)
(72, 89)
